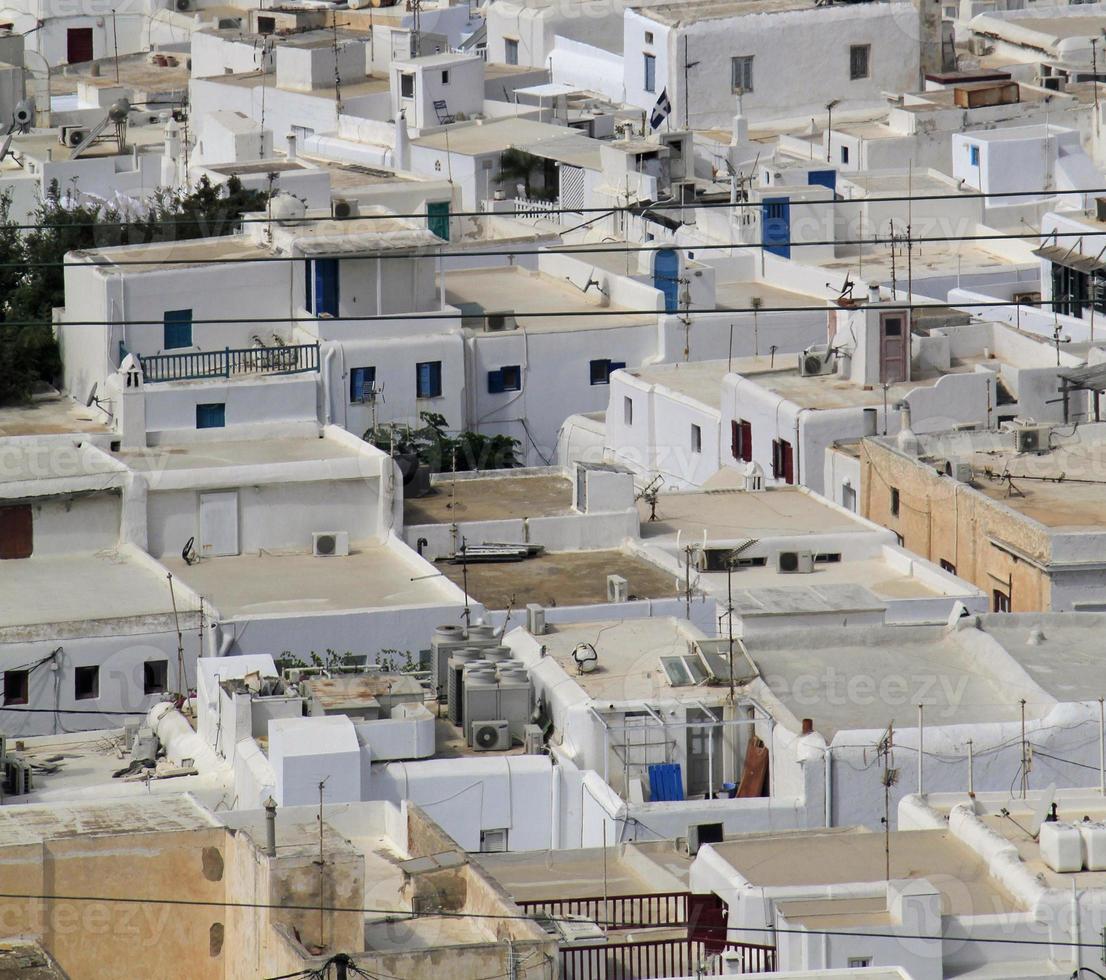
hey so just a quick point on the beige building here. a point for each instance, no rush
(158, 885)
(1021, 513)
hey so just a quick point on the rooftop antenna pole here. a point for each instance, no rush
(1101, 748)
(321, 862)
(729, 621)
(1025, 754)
(115, 42)
(971, 770)
(182, 676)
(921, 752)
(337, 72)
(890, 777)
(894, 280)
(909, 243)
(465, 580)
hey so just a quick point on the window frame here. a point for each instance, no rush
(627, 411)
(855, 72)
(176, 320)
(150, 683)
(23, 679)
(895, 505)
(510, 50)
(696, 439)
(406, 84)
(210, 407)
(357, 389)
(600, 370)
(433, 371)
(741, 440)
(741, 73)
(81, 676)
(649, 72)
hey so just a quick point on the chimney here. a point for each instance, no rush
(870, 421)
(808, 726)
(873, 292)
(270, 827)
(291, 154)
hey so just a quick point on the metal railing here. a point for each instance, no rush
(618, 911)
(230, 362)
(653, 959)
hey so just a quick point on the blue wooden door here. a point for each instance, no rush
(822, 178)
(666, 277)
(775, 226)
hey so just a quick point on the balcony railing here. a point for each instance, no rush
(230, 362)
(618, 911)
(652, 959)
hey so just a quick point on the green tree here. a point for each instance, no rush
(32, 272)
(433, 445)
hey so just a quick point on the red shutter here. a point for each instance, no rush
(735, 439)
(16, 532)
(746, 441)
(788, 462)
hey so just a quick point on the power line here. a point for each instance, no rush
(609, 209)
(435, 250)
(394, 915)
(591, 312)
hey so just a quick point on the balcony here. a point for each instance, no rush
(230, 363)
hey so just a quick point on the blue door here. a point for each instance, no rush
(666, 277)
(326, 287)
(775, 226)
(822, 178)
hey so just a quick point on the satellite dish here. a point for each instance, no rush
(91, 400)
(1042, 809)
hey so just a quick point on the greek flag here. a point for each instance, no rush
(661, 111)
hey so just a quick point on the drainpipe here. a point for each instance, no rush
(328, 413)
(270, 827)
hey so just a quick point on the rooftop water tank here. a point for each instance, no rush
(1061, 846)
(1093, 833)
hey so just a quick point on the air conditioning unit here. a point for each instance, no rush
(960, 470)
(618, 589)
(491, 736)
(795, 562)
(815, 361)
(345, 208)
(72, 136)
(330, 544)
(500, 320)
(535, 619)
(532, 740)
(1031, 439)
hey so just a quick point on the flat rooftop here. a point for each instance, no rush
(689, 11)
(550, 875)
(49, 416)
(700, 381)
(372, 576)
(813, 675)
(567, 578)
(742, 295)
(1062, 652)
(1048, 488)
(496, 498)
(36, 823)
(135, 73)
(829, 858)
(734, 515)
(34, 467)
(82, 588)
(630, 652)
(876, 575)
(151, 256)
(536, 300)
(247, 452)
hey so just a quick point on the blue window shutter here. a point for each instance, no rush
(435, 378)
(362, 380)
(211, 416)
(326, 287)
(178, 329)
(428, 379)
(308, 282)
(495, 383)
(615, 366)
(437, 218)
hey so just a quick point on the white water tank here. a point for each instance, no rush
(1093, 833)
(1061, 846)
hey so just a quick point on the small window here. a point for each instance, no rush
(696, 438)
(445, 77)
(948, 566)
(844, 154)
(17, 684)
(493, 841)
(406, 85)
(211, 416)
(362, 384)
(973, 155)
(892, 326)
(741, 73)
(428, 379)
(859, 56)
(600, 370)
(628, 410)
(510, 51)
(894, 502)
(266, 25)
(86, 683)
(741, 440)
(648, 37)
(177, 328)
(1001, 601)
(859, 962)
(507, 378)
(155, 676)
(650, 70)
(848, 497)
(827, 558)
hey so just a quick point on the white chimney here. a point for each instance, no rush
(291, 152)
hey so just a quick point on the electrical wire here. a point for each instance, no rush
(599, 211)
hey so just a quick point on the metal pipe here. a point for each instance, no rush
(270, 827)
(921, 749)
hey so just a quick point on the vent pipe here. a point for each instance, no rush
(270, 827)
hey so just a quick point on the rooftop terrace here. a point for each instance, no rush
(494, 498)
(569, 578)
